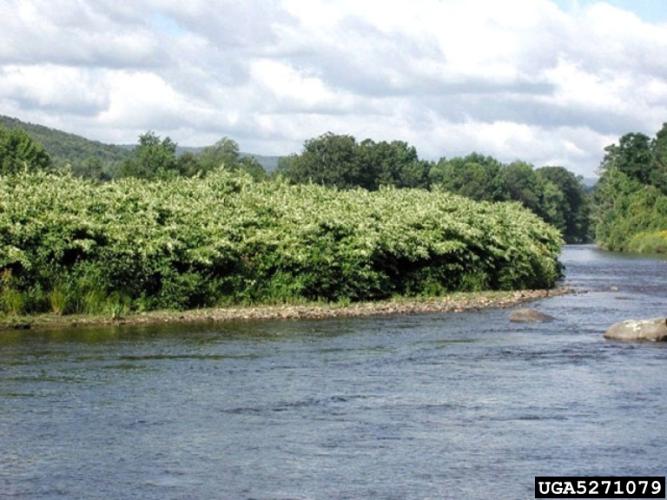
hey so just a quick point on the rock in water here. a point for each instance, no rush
(644, 329)
(529, 316)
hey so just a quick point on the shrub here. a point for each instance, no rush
(183, 243)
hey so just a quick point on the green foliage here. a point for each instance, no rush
(519, 182)
(564, 203)
(72, 245)
(58, 299)
(69, 149)
(338, 160)
(330, 160)
(334, 160)
(19, 152)
(152, 158)
(94, 168)
(658, 174)
(649, 242)
(631, 201)
(156, 158)
(625, 208)
(249, 165)
(225, 153)
(392, 164)
(475, 176)
(553, 193)
(631, 156)
(12, 301)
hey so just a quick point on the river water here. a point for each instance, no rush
(462, 405)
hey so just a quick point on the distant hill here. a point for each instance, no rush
(269, 163)
(77, 150)
(68, 148)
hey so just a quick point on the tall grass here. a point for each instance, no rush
(649, 242)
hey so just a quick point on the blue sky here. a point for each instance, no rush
(548, 82)
(648, 10)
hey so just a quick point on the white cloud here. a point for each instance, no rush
(290, 87)
(515, 79)
(55, 88)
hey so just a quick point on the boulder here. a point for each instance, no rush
(645, 329)
(529, 316)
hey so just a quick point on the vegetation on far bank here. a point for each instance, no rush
(553, 193)
(631, 197)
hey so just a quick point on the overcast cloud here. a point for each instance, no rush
(550, 83)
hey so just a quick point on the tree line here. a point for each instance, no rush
(631, 196)
(152, 157)
(552, 192)
(156, 158)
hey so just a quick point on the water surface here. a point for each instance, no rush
(462, 405)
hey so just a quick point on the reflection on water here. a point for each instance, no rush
(461, 405)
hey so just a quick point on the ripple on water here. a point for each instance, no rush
(441, 405)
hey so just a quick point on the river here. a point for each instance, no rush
(460, 405)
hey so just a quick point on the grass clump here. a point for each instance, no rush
(649, 242)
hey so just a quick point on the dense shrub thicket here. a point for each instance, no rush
(72, 245)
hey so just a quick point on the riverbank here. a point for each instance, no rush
(455, 302)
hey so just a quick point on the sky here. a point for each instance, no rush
(548, 82)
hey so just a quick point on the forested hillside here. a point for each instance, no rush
(94, 159)
(65, 148)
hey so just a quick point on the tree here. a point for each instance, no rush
(553, 193)
(658, 175)
(92, 168)
(552, 206)
(632, 156)
(225, 153)
(574, 208)
(392, 164)
(475, 176)
(189, 164)
(19, 152)
(338, 160)
(329, 159)
(252, 167)
(152, 158)
(518, 182)
(631, 198)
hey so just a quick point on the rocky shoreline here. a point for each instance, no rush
(455, 302)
